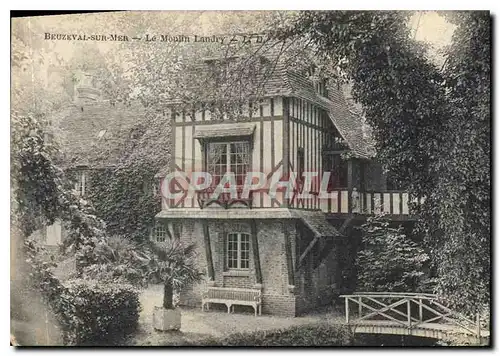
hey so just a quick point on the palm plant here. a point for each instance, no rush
(119, 260)
(174, 264)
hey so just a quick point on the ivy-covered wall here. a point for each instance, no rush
(127, 198)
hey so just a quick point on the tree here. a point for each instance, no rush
(173, 263)
(428, 125)
(464, 189)
(388, 260)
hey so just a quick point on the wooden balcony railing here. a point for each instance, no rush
(204, 198)
(368, 203)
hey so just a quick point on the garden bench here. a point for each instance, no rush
(231, 297)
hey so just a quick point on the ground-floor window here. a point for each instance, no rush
(238, 250)
(160, 233)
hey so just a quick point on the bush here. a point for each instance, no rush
(303, 335)
(389, 261)
(120, 260)
(102, 314)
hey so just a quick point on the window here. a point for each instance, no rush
(300, 164)
(160, 233)
(320, 87)
(238, 251)
(338, 168)
(225, 157)
(393, 183)
(80, 183)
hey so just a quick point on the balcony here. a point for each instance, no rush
(392, 202)
(224, 200)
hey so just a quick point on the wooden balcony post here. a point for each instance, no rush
(478, 322)
(420, 311)
(349, 186)
(347, 310)
(360, 307)
(408, 310)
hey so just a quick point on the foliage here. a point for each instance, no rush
(304, 335)
(388, 260)
(42, 192)
(86, 312)
(121, 260)
(431, 127)
(463, 193)
(175, 264)
(104, 313)
(41, 282)
(127, 196)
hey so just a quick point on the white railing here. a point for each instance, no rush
(409, 310)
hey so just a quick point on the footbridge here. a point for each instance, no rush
(416, 314)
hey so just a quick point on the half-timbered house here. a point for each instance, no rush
(289, 248)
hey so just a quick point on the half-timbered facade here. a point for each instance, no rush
(286, 246)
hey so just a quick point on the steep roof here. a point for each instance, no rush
(349, 123)
(94, 134)
(316, 222)
(345, 117)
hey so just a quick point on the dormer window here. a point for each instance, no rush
(320, 87)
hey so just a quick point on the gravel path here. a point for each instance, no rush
(198, 325)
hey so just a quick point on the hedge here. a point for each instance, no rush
(303, 335)
(102, 314)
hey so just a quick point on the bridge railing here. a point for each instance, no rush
(410, 310)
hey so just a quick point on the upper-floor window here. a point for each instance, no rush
(223, 157)
(337, 166)
(238, 251)
(320, 87)
(80, 182)
(393, 183)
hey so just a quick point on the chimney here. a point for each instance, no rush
(85, 90)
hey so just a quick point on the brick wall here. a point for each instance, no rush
(277, 299)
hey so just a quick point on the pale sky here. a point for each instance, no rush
(434, 29)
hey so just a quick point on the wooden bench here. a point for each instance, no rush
(231, 297)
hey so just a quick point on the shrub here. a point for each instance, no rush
(389, 260)
(303, 335)
(102, 314)
(120, 260)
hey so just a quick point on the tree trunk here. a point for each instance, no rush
(168, 295)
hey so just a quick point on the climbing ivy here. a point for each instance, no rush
(431, 126)
(127, 199)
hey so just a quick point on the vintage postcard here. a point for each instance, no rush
(251, 178)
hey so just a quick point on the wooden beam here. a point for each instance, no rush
(286, 144)
(289, 257)
(307, 250)
(255, 248)
(349, 185)
(208, 251)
